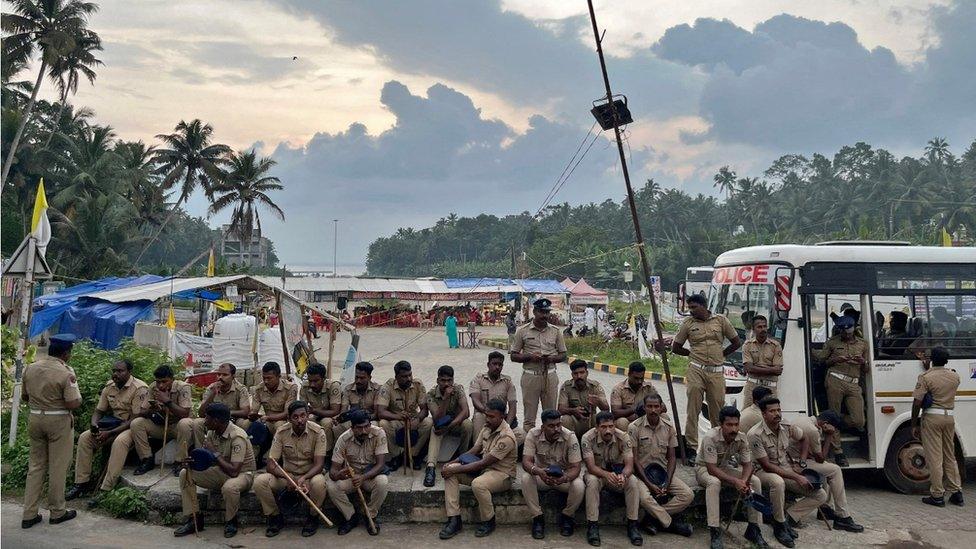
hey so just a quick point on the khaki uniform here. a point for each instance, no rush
(539, 382)
(774, 445)
(235, 447)
(605, 455)
(497, 477)
(767, 354)
(503, 389)
(705, 377)
(296, 454)
(330, 396)
(143, 428)
(731, 458)
(125, 403)
(564, 451)
(938, 428)
(236, 398)
(354, 400)
(836, 492)
(651, 445)
(434, 402)
(362, 458)
(399, 400)
(843, 380)
(273, 402)
(48, 384)
(571, 397)
(624, 396)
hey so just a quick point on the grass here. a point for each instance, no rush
(621, 353)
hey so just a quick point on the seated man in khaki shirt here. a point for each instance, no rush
(552, 459)
(362, 448)
(627, 396)
(609, 458)
(580, 398)
(298, 450)
(449, 412)
(228, 391)
(402, 409)
(494, 455)
(270, 398)
(324, 398)
(168, 416)
(751, 416)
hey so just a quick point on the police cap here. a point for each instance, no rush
(542, 304)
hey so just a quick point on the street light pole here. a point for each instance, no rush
(335, 245)
(645, 266)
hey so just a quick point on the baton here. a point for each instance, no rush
(300, 491)
(359, 489)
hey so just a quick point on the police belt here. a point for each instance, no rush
(842, 377)
(763, 382)
(709, 369)
(535, 371)
(938, 411)
(50, 412)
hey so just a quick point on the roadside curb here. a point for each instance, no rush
(598, 366)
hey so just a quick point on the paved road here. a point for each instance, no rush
(427, 350)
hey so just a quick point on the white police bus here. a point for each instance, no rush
(931, 290)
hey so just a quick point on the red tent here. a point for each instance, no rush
(581, 293)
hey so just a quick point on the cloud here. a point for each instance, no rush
(440, 156)
(794, 84)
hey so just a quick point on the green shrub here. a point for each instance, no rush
(15, 457)
(125, 502)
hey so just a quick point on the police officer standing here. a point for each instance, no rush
(937, 430)
(538, 346)
(847, 361)
(705, 332)
(51, 390)
(762, 359)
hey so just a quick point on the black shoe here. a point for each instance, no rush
(791, 526)
(188, 527)
(716, 538)
(935, 502)
(395, 463)
(275, 524)
(690, 456)
(633, 533)
(956, 499)
(430, 477)
(230, 528)
(841, 460)
(593, 533)
(177, 467)
(144, 467)
(539, 527)
(828, 512)
(375, 529)
(68, 515)
(96, 499)
(348, 524)
(680, 528)
(310, 527)
(77, 491)
(418, 464)
(782, 534)
(30, 522)
(754, 535)
(451, 528)
(567, 525)
(649, 525)
(848, 524)
(486, 528)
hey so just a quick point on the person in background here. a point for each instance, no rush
(936, 429)
(450, 328)
(762, 359)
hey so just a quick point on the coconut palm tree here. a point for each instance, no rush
(189, 159)
(92, 243)
(725, 181)
(52, 26)
(66, 71)
(244, 188)
(89, 165)
(142, 187)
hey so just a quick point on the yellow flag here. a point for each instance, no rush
(211, 264)
(40, 225)
(224, 305)
(944, 239)
(171, 320)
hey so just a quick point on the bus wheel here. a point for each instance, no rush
(905, 466)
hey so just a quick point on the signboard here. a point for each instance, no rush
(743, 274)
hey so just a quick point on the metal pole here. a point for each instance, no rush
(26, 297)
(335, 244)
(645, 266)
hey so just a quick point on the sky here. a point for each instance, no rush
(399, 113)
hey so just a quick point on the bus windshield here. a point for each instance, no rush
(740, 293)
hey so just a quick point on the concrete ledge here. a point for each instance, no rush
(598, 366)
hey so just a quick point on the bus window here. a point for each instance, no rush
(946, 320)
(891, 329)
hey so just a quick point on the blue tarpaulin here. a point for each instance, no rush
(541, 286)
(81, 316)
(528, 285)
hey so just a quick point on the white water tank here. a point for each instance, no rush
(233, 341)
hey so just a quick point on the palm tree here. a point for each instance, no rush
(189, 159)
(725, 181)
(937, 150)
(92, 243)
(67, 70)
(143, 188)
(90, 165)
(244, 187)
(52, 26)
